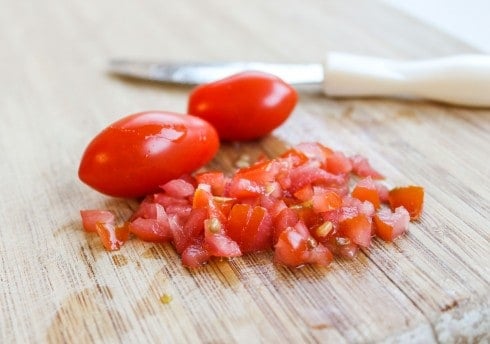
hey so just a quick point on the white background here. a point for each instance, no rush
(467, 20)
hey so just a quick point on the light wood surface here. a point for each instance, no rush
(57, 284)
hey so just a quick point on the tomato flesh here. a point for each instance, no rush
(410, 197)
(366, 190)
(390, 225)
(91, 217)
(357, 229)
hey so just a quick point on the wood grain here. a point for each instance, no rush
(59, 285)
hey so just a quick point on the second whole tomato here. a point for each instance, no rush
(134, 156)
(244, 106)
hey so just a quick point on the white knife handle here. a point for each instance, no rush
(461, 79)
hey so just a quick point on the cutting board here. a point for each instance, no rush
(58, 284)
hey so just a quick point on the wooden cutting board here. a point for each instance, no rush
(57, 284)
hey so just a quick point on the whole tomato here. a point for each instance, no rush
(244, 106)
(133, 156)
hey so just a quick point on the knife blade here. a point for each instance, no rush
(195, 73)
(459, 79)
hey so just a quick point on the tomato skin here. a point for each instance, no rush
(250, 227)
(410, 197)
(133, 156)
(244, 106)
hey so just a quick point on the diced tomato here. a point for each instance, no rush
(319, 255)
(295, 248)
(382, 192)
(410, 197)
(245, 188)
(365, 190)
(299, 203)
(216, 179)
(149, 210)
(223, 205)
(293, 157)
(178, 188)
(261, 172)
(325, 200)
(150, 230)
(290, 248)
(305, 193)
(342, 247)
(203, 198)
(338, 163)
(351, 207)
(151, 223)
(165, 200)
(316, 152)
(362, 167)
(216, 242)
(309, 173)
(112, 237)
(250, 227)
(237, 221)
(195, 256)
(220, 245)
(284, 219)
(192, 231)
(91, 217)
(307, 214)
(390, 225)
(358, 229)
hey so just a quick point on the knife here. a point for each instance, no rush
(459, 79)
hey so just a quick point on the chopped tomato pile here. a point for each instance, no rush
(308, 205)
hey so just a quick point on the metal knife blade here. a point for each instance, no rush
(198, 73)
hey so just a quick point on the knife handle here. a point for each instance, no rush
(460, 79)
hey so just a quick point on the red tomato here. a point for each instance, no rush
(91, 217)
(102, 223)
(358, 229)
(244, 106)
(136, 154)
(338, 163)
(112, 237)
(216, 179)
(152, 225)
(325, 200)
(410, 197)
(250, 227)
(195, 256)
(316, 152)
(365, 190)
(296, 247)
(388, 226)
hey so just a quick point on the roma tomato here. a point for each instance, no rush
(135, 155)
(244, 106)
